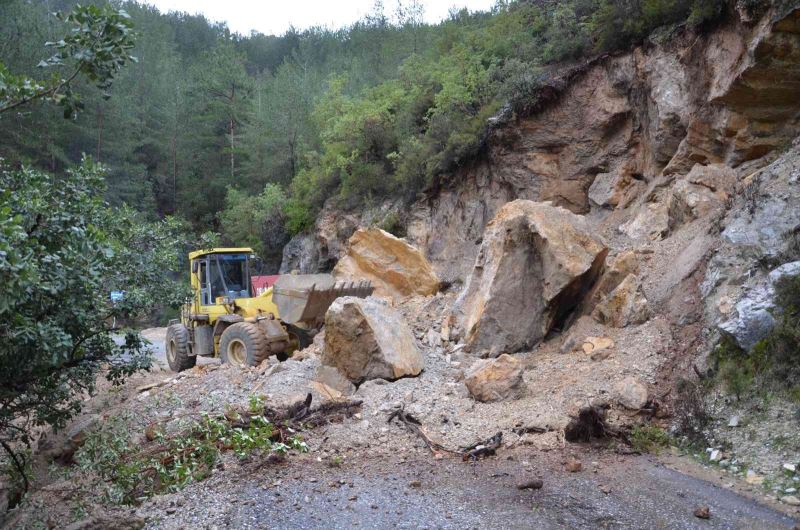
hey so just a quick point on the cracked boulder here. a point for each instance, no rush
(650, 223)
(366, 339)
(395, 268)
(497, 379)
(534, 266)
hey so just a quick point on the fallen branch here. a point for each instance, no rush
(481, 449)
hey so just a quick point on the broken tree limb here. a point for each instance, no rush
(481, 449)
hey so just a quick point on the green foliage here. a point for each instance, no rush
(380, 109)
(131, 473)
(97, 46)
(647, 438)
(393, 224)
(255, 221)
(61, 253)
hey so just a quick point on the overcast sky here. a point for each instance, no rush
(274, 17)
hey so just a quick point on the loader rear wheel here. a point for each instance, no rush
(243, 344)
(176, 345)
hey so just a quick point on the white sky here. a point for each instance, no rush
(274, 17)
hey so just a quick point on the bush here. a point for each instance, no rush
(774, 362)
(131, 474)
(649, 439)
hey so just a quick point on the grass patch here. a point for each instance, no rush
(649, 439)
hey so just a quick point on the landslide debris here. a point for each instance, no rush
(394, 267)
(365, 339)
(497, 379)
(535, 264)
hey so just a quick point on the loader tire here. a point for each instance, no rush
(176, 345)
(243, 344)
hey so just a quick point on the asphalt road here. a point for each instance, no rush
(451, 494)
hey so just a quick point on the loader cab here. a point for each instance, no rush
(221, 275)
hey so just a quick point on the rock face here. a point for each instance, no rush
(624, 305)
(497, 379)
(753, 318)
(702, 193)
(365, 339)
(536, 260)
(611, 128)
(614, 189)
(393, 266)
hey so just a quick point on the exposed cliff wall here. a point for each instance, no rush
(631, 123)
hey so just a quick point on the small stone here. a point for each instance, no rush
(595, 344)
(791, 500)
(415, 484)
(715, 455)
(574, 465)
(702, 512)
(605, 489)
(353, 498)
(734, 421)
(752, 478)
(533, 484)
(790, 467)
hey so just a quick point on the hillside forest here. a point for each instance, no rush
(248, 135)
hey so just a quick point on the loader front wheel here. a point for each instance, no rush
(243, 344)
(176, 345)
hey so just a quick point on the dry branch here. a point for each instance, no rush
(473, 452)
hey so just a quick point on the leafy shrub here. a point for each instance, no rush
(256, 221)
(393, 224)
(133, 473)
(61, 253)
(649, 439)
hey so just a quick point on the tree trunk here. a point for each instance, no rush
(99, 131)
(232, 127)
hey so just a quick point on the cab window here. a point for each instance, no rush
(229, 276)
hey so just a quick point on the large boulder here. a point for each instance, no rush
(393, 266)
(535, 264)
(497, 379)
(631, 393)
(366, 339)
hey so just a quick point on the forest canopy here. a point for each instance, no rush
(251, 134)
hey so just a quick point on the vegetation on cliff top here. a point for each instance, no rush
(206, 119)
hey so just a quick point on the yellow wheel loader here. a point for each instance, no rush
(225, 319)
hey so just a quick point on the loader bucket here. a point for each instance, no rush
(304, 298)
